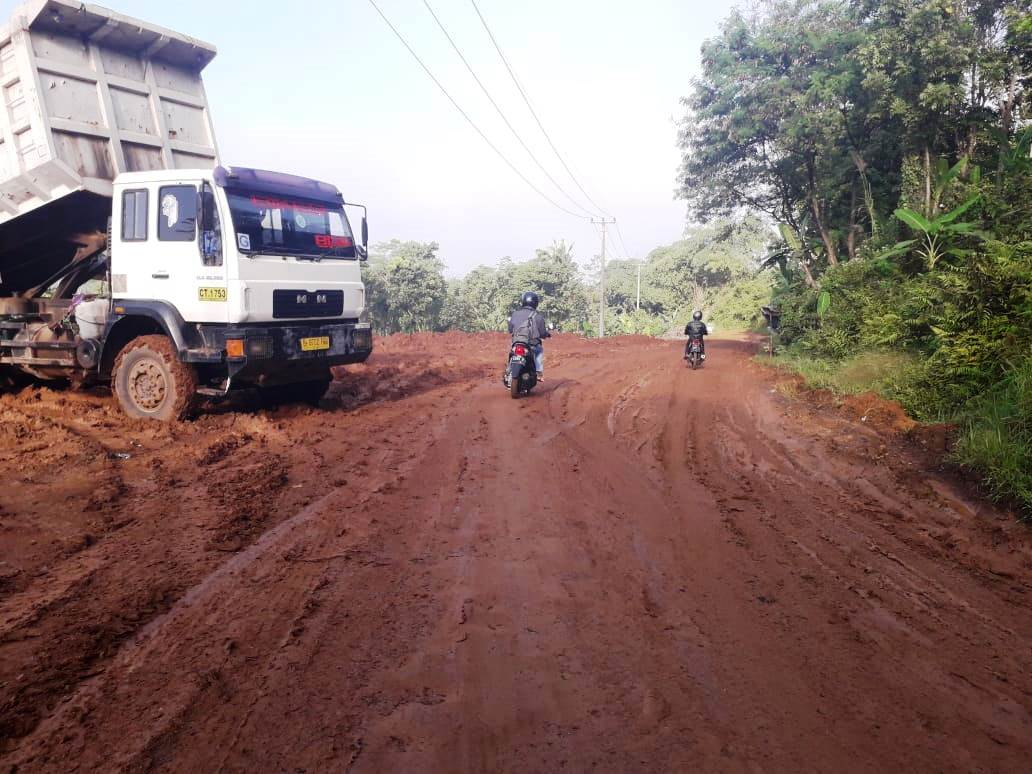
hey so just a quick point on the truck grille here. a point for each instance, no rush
(310, 303)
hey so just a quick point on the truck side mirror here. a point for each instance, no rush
(365, 234)
(210, 231)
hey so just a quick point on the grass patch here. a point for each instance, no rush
(995, 430)
(883, 372)
(996, 438)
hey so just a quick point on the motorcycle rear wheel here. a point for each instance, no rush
(514, 387)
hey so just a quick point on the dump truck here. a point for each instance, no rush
(129, 255)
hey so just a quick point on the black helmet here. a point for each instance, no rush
(530, 298)
(696, 315)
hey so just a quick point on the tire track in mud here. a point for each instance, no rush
(683, 715)
(311, 565)
(895, 606)
(84, 612)
(754, 482)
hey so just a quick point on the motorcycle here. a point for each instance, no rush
(693, 353)
(520, 377)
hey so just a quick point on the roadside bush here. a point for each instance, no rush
(996, 439)
(736, 305)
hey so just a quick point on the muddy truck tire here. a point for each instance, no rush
(151, 382)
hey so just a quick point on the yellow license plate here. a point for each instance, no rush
(211, 294)
(315, 343)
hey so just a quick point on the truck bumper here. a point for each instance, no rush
(281, 354)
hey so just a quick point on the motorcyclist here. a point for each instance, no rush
(696, 329)
(528, 325)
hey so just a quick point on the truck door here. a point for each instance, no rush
(187, 257)
(170, 250)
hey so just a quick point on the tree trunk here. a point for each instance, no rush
(808, 275)
(1006, 114)
(865, 183)
(928, 183)
(829, 243)
(851, 234)
(815, 208)
(698, 296)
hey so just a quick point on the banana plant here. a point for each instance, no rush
(939, 235)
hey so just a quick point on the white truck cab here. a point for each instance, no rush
(254, 276)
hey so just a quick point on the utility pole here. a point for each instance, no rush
(637, 300)
(602, 283)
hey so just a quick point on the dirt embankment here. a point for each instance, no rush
(638, 568)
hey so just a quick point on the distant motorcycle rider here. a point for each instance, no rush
(528, 325)
(696, 329)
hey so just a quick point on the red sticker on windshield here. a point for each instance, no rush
(283, 204)
(327, 242)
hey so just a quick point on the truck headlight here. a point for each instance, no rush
(259, 348)
(362, 338)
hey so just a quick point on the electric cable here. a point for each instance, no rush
(619, 235)
(533, 112)
(469, 120)
(502, 115)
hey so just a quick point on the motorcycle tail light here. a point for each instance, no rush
(520, 350)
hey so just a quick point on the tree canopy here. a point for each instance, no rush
(889, 141)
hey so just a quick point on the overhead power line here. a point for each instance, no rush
(625, 255)
(502, 115)
(619, 235)
(533, 112)
(470, 121)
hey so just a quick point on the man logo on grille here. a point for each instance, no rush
(320, 298)
(302, 298)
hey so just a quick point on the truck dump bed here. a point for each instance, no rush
(87, 93)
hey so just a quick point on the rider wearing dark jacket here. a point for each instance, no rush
(696, 329)
(529, 322)
(538, 327)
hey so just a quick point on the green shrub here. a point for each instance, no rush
(996, 437)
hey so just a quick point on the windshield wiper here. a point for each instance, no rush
(279, 253)
(315, 257)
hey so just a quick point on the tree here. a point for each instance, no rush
(479, 301)
(405, 286)
(554, 275)
(766, 123)
(828, 115)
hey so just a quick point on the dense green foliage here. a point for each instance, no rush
(889, 140)
(715, 268)
(405, 286)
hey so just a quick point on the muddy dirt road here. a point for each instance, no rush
(635, 569)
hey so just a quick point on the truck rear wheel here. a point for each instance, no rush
(151, 382)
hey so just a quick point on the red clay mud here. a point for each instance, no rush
(637, 568)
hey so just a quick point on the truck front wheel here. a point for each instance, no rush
(151, 382)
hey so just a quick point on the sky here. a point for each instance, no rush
(326, 90)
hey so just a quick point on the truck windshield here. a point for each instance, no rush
(266, 223)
